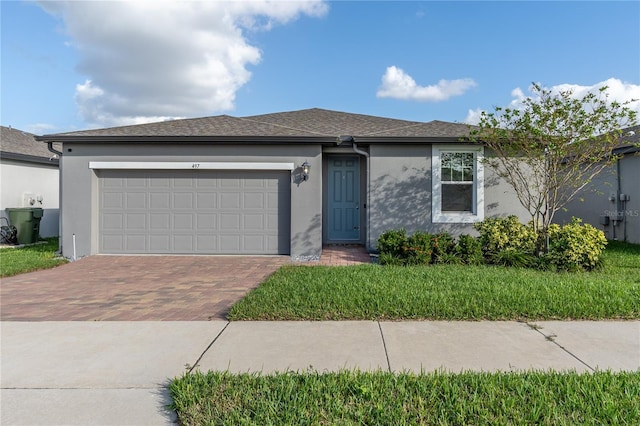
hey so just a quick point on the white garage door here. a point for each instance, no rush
(194, 212)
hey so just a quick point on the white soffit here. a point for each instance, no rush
(184, 165)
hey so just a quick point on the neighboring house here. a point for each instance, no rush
(612, 200)
(229, 185)
(29, 177)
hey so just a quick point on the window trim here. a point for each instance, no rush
(477, 215)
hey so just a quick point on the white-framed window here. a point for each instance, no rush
(457, 179)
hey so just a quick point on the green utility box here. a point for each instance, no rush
(27, 223)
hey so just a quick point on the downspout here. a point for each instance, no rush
(59, 154)
(368, 205)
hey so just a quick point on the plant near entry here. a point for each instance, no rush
(391, 245)
(552, 147)
(501, 241)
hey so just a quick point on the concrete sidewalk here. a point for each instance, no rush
(116, 372)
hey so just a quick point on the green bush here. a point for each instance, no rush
(504, 237)
(419, 249)
(502, 241)
(443, 248)
(469, 250)
(575, 246)
(392, 243)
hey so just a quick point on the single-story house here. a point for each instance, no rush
(283, 183)
(29, 177)
(612, 201)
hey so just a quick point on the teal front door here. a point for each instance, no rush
(343, 198)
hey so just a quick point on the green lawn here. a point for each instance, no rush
(14, 261)
(448, 292)
(381, 398)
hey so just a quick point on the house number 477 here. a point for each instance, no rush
(195, 166)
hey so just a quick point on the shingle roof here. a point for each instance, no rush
(18, 145)
(308, 123)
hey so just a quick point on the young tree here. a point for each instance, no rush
(550, 149)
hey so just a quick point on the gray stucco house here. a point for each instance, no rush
(612, 201)
(283, 183)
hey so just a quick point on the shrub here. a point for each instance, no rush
(419, 249)
(443, 247)
(575, 246)
(469, 250)
(500, 234)
(391, 244)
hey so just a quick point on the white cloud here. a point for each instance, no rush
(617, 90)
(149, 60)
(399, 85)
(40, 128)
(473, 116)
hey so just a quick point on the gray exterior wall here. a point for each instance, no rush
(595, 203)
(401, 193)
(80, 186)
(399, 178)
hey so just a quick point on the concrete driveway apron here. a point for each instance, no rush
(135, 288)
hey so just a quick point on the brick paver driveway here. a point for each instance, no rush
(135, 288)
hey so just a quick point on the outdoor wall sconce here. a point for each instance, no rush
(306, 167)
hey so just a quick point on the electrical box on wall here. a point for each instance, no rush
(31, 200)
(624, 197)
(28, 199)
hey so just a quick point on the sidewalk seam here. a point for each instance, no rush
(195, 364)
(551, 339)
(384, 346)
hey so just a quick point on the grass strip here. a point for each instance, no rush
(448, 292)
(14, 261)
(350, 398)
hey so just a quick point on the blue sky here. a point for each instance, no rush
(83, 64)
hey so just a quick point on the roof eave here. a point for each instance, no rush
(29, 158)
(189, 139)
(284, 140)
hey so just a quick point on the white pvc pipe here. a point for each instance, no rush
(74, 247)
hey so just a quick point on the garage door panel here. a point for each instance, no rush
(159, 221)
(113, 221)
(230, 182)
(206, 222)
(112, 200)
(206, 200)
(183, 200)
(253, 200)
(113, 243)
(136, 182)
(160, 182)
(231, 243)
(254, 242)
(230, 200)
(136, 200)
(136, 222)
(190, 212)
(253, 221)
(183, 243)
(136, 243)
(158, 200)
